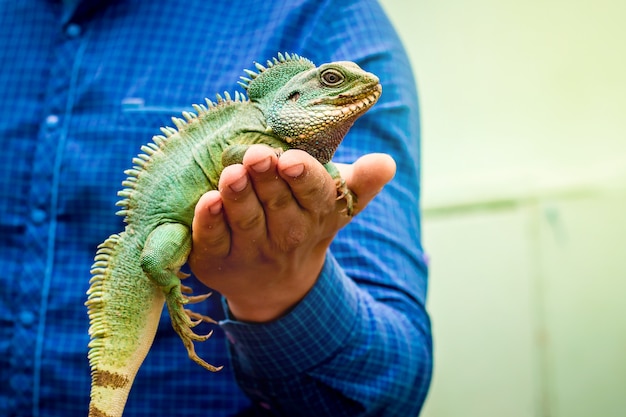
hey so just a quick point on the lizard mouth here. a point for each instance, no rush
(368, 100)
(348, 104)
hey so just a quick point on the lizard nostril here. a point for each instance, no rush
(294, 96)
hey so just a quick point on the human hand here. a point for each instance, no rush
(261, 240)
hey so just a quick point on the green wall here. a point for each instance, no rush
(524, 175)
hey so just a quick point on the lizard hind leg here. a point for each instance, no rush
(165, 251)
(182, 323)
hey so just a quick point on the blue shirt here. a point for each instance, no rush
(82, 86)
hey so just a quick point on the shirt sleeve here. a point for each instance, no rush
(359, 343)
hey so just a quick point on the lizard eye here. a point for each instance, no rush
(331, 77)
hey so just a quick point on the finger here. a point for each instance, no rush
(367, 176)
(287, 223)
(243, 211)
(210, 234)
(311, 185)
(272, 191)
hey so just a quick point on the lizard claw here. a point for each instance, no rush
(196, 298)
(344, 193)
(182, 323)
(185, 289)
(199, 318)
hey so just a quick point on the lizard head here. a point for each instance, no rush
(314, 107)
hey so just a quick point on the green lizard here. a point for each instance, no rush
(291, 104)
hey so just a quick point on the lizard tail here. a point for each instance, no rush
(124, 309)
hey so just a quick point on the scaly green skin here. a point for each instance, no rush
(292, 104)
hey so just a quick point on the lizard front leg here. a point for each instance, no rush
(165, 251)
(343, 192)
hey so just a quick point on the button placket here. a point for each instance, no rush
(30, 324)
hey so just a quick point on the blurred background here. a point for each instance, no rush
(524, 200)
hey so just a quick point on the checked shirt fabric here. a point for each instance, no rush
(83, 84)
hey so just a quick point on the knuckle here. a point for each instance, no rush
(278, 202)
(214, 242)
(250, 221)
(318, 193)
(211, 246)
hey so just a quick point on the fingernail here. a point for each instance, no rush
(262, 166)
(239, 185)
(294, 171)
(215, 208)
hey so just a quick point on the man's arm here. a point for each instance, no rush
(358, 342)
(305, 338)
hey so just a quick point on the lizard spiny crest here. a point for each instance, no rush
(273, 75)
(202, 116)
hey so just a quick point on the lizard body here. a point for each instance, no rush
(292, 104)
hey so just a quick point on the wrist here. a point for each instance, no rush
(258, 312)
(276, 298)
(314, 329)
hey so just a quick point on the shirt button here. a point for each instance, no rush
(73, 30)
(27, 318)
(38, 215)
(52, 120)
